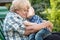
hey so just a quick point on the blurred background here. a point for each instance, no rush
(47, 9)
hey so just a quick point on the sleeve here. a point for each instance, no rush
(15, 24)
(37, 19)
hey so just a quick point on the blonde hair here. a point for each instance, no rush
(17, 4)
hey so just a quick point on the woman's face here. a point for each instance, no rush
(23, 11)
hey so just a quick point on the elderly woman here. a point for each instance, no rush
(13, 27)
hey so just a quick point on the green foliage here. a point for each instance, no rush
(8, 5)
(48, 9)
(39, 6)
(54, 15)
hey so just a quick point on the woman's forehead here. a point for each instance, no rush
(25, 7)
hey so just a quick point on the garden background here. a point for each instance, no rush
(47, 9)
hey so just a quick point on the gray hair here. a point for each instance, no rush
(17, 4)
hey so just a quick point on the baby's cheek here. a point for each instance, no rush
(30, 14)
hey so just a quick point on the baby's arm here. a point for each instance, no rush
(27, 23)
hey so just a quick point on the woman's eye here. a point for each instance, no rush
(26, 10)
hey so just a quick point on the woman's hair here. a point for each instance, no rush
(18, 4)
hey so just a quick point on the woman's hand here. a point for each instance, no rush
(27, 32)
(36, 27)
(49, 25)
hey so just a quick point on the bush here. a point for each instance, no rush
(49, 10)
